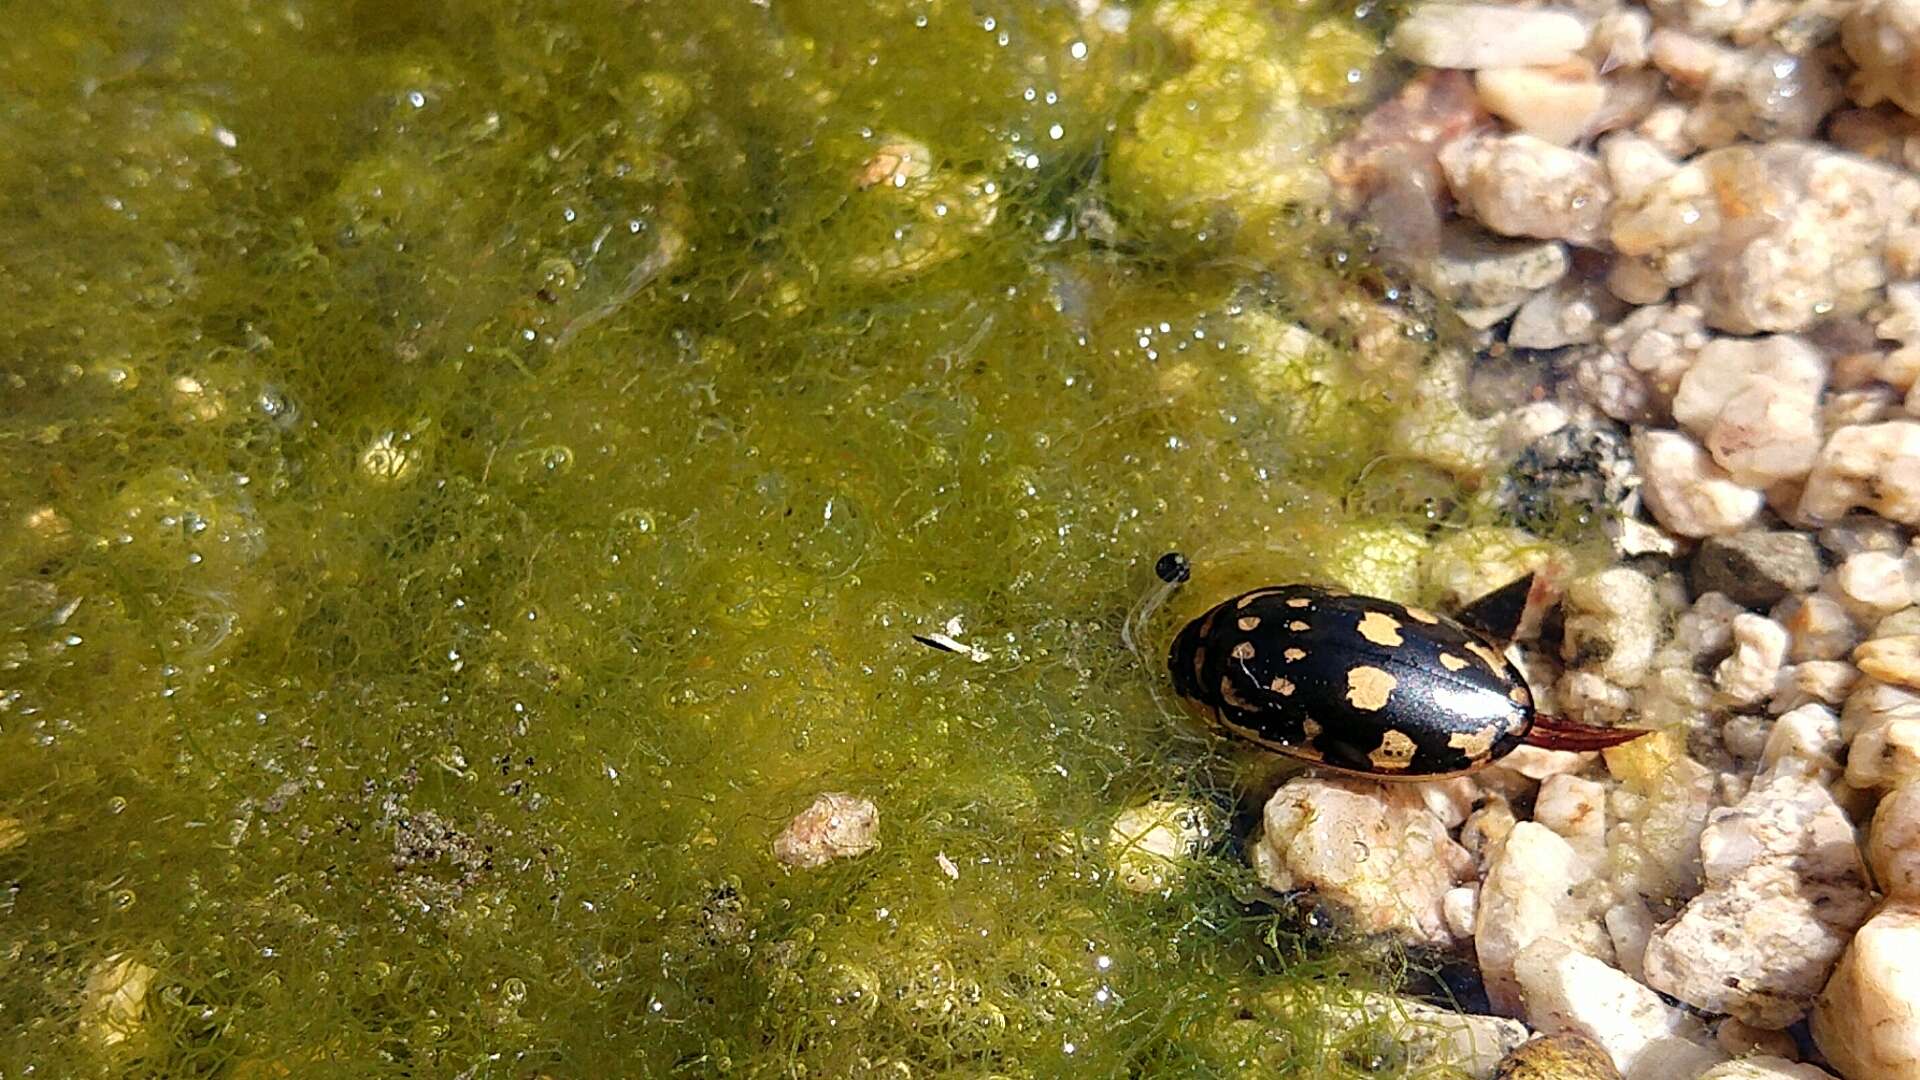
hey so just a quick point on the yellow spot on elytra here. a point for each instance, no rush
(1231, 697)
(1519, 695)
(1423, 615)
(1296, 626)
(1492, 658)
(1395, 753)
(1311, 728)
(1281, 687)
(1300, 601)
(1368, 687)
(1295, 654)
(1249, 622)
(1242, 651)
(1474, 744)
(1381, 629)
(1451, 662)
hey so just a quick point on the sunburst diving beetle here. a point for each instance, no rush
(1364, 685)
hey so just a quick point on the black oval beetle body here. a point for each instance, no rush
(1368, 686)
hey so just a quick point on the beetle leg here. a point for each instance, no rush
(1498, 614)
(1553, 733)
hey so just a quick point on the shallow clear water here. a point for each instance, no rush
(473, 472)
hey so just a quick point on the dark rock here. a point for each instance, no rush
(1557, 1057)
(1756, 568)
(1571, 477)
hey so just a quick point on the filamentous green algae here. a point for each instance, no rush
(473, 471)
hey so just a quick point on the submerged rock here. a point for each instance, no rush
(1883, 38)
(1487, 278)
(1578, 471)
(1519, 185)
(835, 826)
(113, 1006)
(1785, 889)
(1149, 844)
(1377, 850)
(1568, 991)
(1867, 1022)
(1555, 102)
(1389, 168)
(1565, 1056)
(1532, 892)
(1687, 492)
(1771, 238)
(1420, 1037)
(1757, 568)
(1893, 845)
(1447, 35)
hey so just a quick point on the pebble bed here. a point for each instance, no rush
(1694, 227)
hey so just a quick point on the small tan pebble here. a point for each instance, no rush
(1803, 742)
(1883, 134)
(1558, 1057)
(1630, 926)
(1637, 281)
(1893, 846)
(1759, 648)
(1687, 492)
(1883, 725)
(1893, 660)
(1634, 163)
(113, 1005)
(1875, 466)
(1865, 405)
(1867, 1022)
(1557, 103)
(193, 401)
(1313, 827)
(1533, 890)
(1873, 584)
(1567, 991)
(1824, 681)
(836, 826)
(1461, 906)
(1755, 404)
(1473, 36)
(1727, 366)
(48, 526)
(1742, 1039)
(1820, 625)
(1573, 312)
(1523, 186)
(1883, 39)
(1620, 40)
(1485, 828)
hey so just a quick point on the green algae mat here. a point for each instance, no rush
(474, 471)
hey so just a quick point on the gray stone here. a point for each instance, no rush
(1757, 568)
(1489, 278)
(1558, 1057)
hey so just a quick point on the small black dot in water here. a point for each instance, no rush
(1173, 568)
